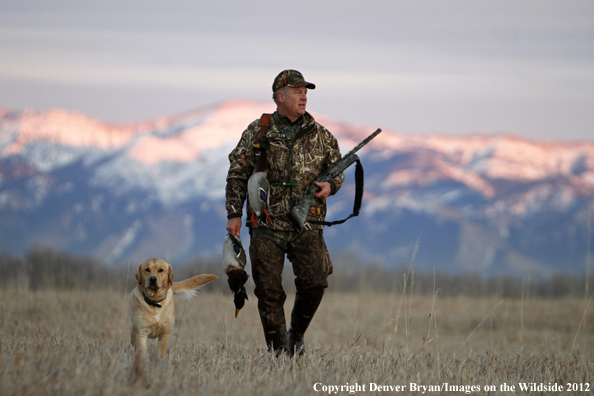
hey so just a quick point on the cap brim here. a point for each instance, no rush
(305, 84)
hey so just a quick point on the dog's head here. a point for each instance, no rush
(155, 276)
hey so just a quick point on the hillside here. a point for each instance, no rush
(124, 192)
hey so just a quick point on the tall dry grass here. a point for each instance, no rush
(76, 343)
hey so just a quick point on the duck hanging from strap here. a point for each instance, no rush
(258, 186)
(234, 261)
(259, 192)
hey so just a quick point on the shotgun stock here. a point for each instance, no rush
(299, 212)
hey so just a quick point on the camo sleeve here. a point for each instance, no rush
(241, 167)
(332, 157)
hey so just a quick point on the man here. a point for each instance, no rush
(298, 149)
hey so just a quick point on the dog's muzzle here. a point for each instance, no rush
(153, 281)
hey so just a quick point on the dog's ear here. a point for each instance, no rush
(139, 275)
(170, 275)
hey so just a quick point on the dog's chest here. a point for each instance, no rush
(151, 320)
(160, 323)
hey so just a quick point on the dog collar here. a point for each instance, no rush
(154, 303)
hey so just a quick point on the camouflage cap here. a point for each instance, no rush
(290, 78)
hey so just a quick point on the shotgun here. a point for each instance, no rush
(299, 212)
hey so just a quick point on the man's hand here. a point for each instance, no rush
(234, 226)
(325, 191)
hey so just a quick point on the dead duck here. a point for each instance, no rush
(259, 193)
(234, 261)
(258, 187)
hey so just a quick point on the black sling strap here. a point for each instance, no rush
(358, 198)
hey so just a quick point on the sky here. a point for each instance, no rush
(416, 66)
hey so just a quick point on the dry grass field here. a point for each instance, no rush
(76, 343)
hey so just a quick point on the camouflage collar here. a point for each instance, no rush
(285, 120)
(304, 123)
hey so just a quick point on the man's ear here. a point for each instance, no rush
(280, 96)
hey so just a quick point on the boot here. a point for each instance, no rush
(296, 342)
(302, 314)
(276, 339)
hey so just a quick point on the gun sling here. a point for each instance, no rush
(359, 176)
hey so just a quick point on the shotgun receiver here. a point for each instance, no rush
(299, 212)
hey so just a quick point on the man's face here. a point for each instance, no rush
(292, 102)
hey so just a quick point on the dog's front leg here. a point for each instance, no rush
(139, 340)
(163, 343)
(133, 336)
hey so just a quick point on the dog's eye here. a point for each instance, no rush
(147, 270)
(161, 270)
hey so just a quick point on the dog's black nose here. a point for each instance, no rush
(153, 279)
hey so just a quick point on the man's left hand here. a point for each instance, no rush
(325, 191)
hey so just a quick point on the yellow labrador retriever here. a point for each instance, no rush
(151, 303)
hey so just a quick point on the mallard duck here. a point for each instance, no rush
(258, 193)
(258, 187)
(234, 261)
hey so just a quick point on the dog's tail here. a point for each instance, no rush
(188, 288)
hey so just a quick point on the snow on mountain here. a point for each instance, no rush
(479, 203)
(495, 158)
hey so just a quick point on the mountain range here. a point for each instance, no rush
(487, 204)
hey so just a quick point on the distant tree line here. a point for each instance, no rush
(47, 268)
(380, 279)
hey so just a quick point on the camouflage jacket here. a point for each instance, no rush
(290, 159)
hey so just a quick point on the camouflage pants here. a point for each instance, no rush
(311, 265)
